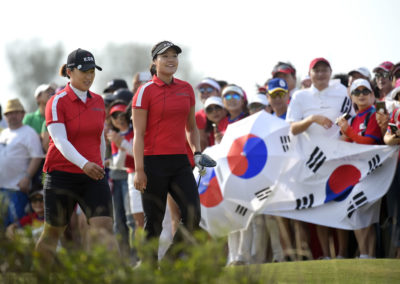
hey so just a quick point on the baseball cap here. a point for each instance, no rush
(360, 82)
(213, 101)
(362, 70)
(162, 46)
(258, 98)
(42, 88)
(282, 67)
(13, 105)
(317, 60)
(123, 94)
(395, 69)
(385, 66)
(36, 192)
(233, 89)
(82, 60)
(114, 85)
(277, 84)
(211, 82)
(118, 107)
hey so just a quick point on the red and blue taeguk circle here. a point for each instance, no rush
(341, 182)
(209, 190)
(247, 156)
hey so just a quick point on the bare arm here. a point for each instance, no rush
(298, 127)
(192, 133)
(33, 167)
(139, 125)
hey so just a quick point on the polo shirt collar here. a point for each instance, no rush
(160, 82)
(72, 95)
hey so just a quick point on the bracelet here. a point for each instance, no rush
(197, 153)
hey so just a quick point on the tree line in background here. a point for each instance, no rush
(32, 63)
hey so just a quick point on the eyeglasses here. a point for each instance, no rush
(212, 108)
(37, 199)
(382, 75)
(280, 94)
(358, 92)
(206, 90)
(232, 96)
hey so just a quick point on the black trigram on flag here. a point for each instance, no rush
(357, 201)
(305, 202)
(374, 163)
(346, 105)
(285, 140)
(241, 210)
(263, 193)
(316, 160)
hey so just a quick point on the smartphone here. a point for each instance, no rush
(393, 128)
(380, 107)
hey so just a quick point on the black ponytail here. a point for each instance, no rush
(153, 69)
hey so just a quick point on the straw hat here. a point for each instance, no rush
(13, 105)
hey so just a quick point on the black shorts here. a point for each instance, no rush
(63, 190)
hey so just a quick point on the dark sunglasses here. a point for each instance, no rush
(382, 75)
(210, 109)
(358, 92)
(277, 94)
(232, 96)
(116, 114)
(37, 199)
(206, 90)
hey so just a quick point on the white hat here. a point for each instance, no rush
(42, 88)
(360, 82)
(213, 100)
(211, 82)
(233, 89)
(394, 93)
(258, 98)
(362, 70)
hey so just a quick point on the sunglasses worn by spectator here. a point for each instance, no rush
(358, 92)
(206, 90)
(212, 108)
(382, 74)
(232, 96)
(116, 114)
(278, 94)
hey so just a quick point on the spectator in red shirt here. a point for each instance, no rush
(208, 87)
(363, 129)
(34, 218)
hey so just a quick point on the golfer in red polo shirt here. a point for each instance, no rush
(163, 117)
(74, 162)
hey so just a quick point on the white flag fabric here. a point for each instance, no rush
(218, 215)
(261, 169)
(333, 183)
(253, 152)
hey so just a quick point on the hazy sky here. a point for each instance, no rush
(238, 41)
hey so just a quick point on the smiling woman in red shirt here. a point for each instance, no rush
(164, 119)
(74, 162)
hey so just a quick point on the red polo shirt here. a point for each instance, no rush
(201, 119)
(372, 130)
(168, 107)
(84, 123)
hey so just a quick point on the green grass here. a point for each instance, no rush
(318, 271)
